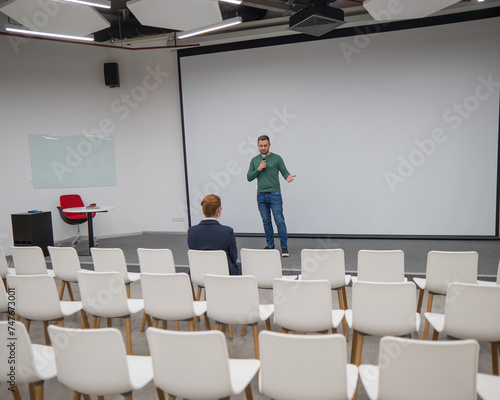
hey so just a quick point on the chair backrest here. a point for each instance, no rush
(190, 365)
(4, 267)
(304, 306)
(25, 363)
(384, 308)
(91, 361)
(444, 267)
(28, 260)
(381, 265)
(167, 296)
(71, 201)
(65, 262)
(296, 367)
(109, 260)
(472, 312)
(265, 265)
(36, 296)
(419, 369)
(202, 262)
(232, 299)
(156, 261)
(326, 264)
(103, 293)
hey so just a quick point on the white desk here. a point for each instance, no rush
(89, 211)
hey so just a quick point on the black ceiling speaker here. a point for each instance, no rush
(317, 19)
(111, 75)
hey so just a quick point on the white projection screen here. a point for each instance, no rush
(389, 134)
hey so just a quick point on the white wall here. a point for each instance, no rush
(58, 88)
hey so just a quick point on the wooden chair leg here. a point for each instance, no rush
(494, 358)
(86, 397)
(420, 300)
(161, 395)
(342, 307)
(268, 324)
(192, 325)
(100, 397)
(46, 333)
(353, 345)
(128, 331)
(85, 320)
(171, 397)
(217, 327)
(430, 299)
(70, 292)
(435, 335)
(344, 295)
(256, 340)
(95, 322)
(32, 391)
(110, 322)
(156, 323)
(243, 330)
(359, 350)
(207, 322)
(230, 331)
(128, 290)
(77, 396)
(198, 294)
(165, 324)
(61, 291)
(143, 323)
(248, 392)
(16, 394)
(282, 330)
(129, 397)
(27, 324)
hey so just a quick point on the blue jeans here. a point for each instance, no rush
(272, 202)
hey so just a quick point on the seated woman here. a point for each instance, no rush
(209, 234)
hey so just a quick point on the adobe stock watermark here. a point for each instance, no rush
(454, 116)
(122, 107)
(47, 9)
(221, 179)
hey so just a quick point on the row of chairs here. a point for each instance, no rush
(196, 365)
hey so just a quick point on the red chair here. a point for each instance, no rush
(70, 201)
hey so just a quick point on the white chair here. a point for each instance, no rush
(65, 264)
(168, 297)
(202, 262)
(37, 300)
(313, 367)
(94, 362)
(156, 261)
(471, 312)
(196, 366)
(265, 265)
(444, 267)
(381, 309)
(327, 264)
(109, 260)
(305, 306)
(34, 363)
(234, 300)
(4, 267)
(29, 260)
(381, 266)
(104, 296)
(488, 386)
(418, 369)
(4, 302)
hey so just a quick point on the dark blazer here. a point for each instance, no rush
(209, 234)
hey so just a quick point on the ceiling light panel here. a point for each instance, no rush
(55, 17)
(389, 10)
(181, 15)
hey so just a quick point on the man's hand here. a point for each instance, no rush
(262, 165)
(290, 178)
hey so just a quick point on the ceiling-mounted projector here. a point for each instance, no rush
(316, 19)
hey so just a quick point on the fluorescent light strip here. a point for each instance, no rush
(232, 1)
(47, 34)
(209, 28)
(97, 3)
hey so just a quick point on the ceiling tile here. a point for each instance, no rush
(388, 10)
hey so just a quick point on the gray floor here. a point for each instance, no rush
(242, 347)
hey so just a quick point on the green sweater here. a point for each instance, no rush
(268, 180)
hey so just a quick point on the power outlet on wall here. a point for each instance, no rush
(177, 219)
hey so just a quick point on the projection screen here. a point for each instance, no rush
(394, 133)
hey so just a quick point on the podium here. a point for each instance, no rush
(33, 229)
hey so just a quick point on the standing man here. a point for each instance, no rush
(265, 168)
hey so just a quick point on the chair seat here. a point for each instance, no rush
(132, 277)
(352, 380)
(200, 307)
(370, 374)
(140, 370)
(488, 386)
(420, 282)
(266, 310)
(46, 369)
(242, 372)
(436, 320)
(70, 307)
(135, 305)
(337, 316)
